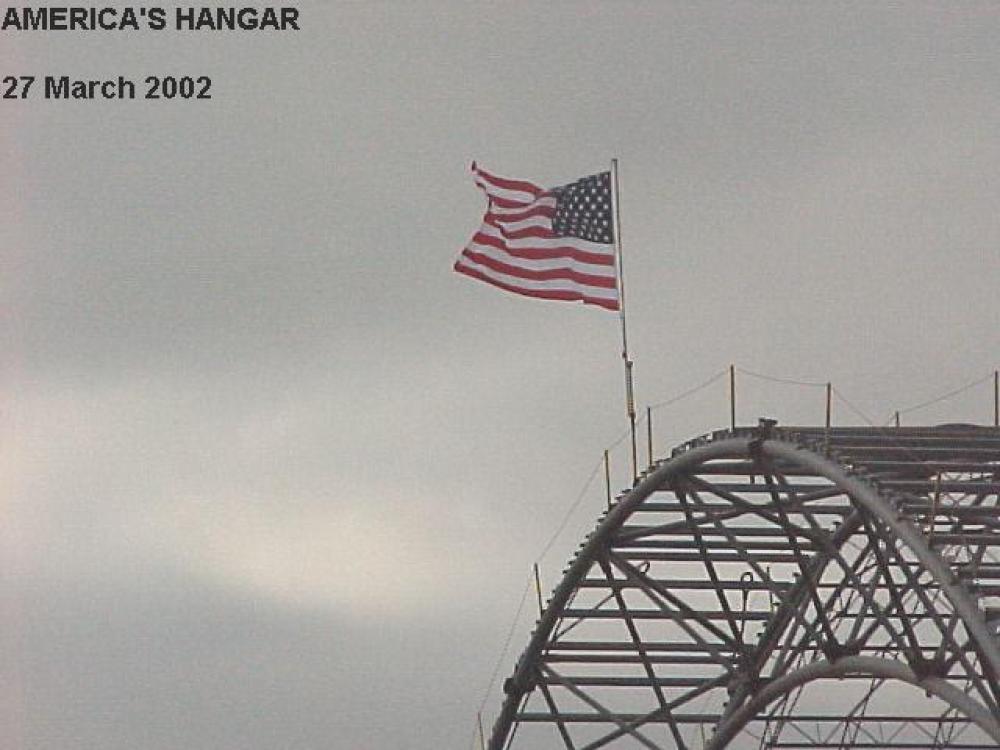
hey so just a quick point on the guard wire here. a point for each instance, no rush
(947, 395)
(528, 586)
(572, 509)
(690, 392)
(503, 653)
(786, 381)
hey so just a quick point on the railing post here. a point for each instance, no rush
(649, 433)
(538, 590)
(996, 398)
(829, 404)
(732, 397)
(607, 477)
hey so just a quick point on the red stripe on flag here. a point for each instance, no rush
(532, 230)
(533, 212)
(568, 274)
(541, 253)
(508, 184)
(507, 203)
(557, 294)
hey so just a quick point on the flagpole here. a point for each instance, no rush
(629, 387)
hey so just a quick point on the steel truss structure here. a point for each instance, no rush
(777, 587)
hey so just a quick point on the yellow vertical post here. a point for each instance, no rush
(649, 433)
(996, 398)
(829, 404)
(538, 590)
(732, 397)
(607, 477)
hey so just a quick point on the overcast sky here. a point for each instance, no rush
(274, 476)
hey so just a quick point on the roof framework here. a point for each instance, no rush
(780, 588)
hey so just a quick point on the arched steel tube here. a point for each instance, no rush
(520, 683)
(853, 665)
(866, 495)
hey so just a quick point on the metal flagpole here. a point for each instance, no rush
(629, 389)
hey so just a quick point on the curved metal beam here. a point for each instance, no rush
(853, 665)
(520, 683)
(863, 494)
(866, 495)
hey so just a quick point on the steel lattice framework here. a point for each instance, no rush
(779, 588)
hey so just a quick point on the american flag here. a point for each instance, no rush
(553, 244)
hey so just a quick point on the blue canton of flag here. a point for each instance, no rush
(583, 209)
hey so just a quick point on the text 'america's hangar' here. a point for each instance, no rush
(155, 18)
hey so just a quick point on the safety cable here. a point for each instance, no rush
(786, 381)
(948, 395)
(530, 583)
(690, 392)
(571, 510)
(503, 654)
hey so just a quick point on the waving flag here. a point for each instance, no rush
(554, 244)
